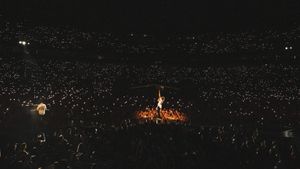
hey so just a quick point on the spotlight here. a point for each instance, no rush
(41, 108)
(24, 43)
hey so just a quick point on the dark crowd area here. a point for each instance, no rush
(257, 44)
(242, 114)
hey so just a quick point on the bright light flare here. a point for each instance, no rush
(41, 109)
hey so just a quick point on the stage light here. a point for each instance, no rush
(24, 43)
(41, 109)
(165, 115)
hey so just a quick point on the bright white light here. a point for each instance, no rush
(286, 48)
(41, 108)
(23, 43)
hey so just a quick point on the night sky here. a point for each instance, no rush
(155, 15)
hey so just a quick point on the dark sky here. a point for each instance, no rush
(154, 15)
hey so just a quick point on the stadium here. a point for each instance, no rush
(113, 85)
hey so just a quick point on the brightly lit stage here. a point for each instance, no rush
(161, 113)
(165, 115)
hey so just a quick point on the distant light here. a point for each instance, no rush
(23, 43)
(100, 57)
(291, 47)
(286, 48)
(288, 134)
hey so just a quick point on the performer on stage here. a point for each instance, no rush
(160, 102)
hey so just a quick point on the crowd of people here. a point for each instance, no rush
(137, 45)
(236, 113)
(91, 117)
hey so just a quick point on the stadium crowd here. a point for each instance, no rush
(236, 113)
(64, 37)
(90, 125)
